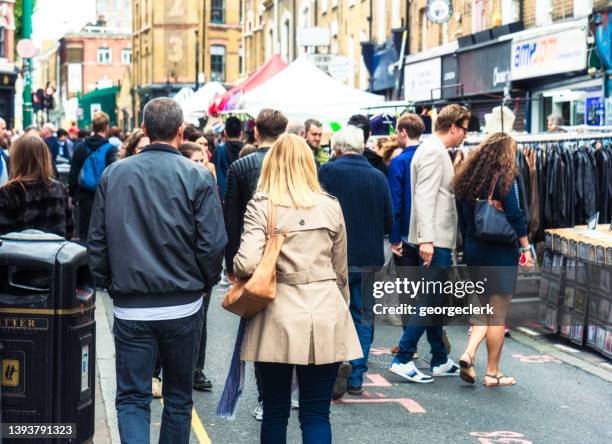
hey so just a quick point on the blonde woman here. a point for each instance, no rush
(308, 326)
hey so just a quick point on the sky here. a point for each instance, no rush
(54, 18)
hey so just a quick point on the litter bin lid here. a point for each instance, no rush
(32, 235)
(30, 246)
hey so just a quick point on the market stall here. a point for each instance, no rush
(576, 286)
(197, 104)
(304, 91)
(231, 98)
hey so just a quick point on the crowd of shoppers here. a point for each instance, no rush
(203, 199)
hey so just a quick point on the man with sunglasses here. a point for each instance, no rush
(433, 230)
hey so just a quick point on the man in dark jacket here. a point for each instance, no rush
(156, 243)
(84, 198)
(227, 152)
(363, 123)
(409, 130)
(364, 196)
(242, 177)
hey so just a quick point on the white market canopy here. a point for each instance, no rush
(196, 105)
(303, 91)
(183, 94)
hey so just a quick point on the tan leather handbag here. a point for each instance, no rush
(250, 296)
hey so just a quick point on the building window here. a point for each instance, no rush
(126, 56)
(104, 56)
(396, 14)
(217, 63)
(423, 29)
(478, 17)
(2, 42)
(582, 8)
(543, 12)
(382, 21)
(510, 11)
(217, 11)
(285, 41)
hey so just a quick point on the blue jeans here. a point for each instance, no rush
(316, 384)
(365, 330)
(414, 330)
(137, 344)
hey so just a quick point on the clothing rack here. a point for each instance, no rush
(546, 137)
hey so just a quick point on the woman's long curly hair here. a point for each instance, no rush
(496, 155)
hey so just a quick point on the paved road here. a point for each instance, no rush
(553, 402)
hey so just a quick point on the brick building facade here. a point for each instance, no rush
(91, 59)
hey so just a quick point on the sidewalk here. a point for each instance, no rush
(106, 416)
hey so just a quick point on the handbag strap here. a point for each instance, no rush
(492, 187)
(271, 219)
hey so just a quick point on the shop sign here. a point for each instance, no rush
(485, 69)
(422, 80)
(550, 54)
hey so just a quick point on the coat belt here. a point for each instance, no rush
(306, 276)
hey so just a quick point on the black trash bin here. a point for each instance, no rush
(47, 329)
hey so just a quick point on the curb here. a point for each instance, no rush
(564, 357)
(105, 360)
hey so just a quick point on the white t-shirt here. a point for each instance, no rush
(157, 313)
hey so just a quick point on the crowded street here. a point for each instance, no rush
(313, 221)
(560, 398)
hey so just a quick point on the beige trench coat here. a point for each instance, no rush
(309, 321)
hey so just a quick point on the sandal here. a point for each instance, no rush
(465, 366)
(499, 382)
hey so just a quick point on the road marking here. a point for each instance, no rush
(380, 351)
(409, 404)
(528, 331)
(197, 426)
(532, 359)
(501, 436)
(565, 348)
(605, 364)
(376, 380)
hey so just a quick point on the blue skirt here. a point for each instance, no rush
(496, 262)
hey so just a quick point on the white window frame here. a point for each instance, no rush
(396, 14)
(510, 11)
(543, 12)
(105, 56)
(126, 56)
(582, 8)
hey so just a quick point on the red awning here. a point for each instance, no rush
(229, 100)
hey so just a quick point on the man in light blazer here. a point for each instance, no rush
(433, 229)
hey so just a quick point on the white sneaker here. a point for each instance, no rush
(409, 371)
(258, 412)
(224, 282)
(447, 369)
(156, 388)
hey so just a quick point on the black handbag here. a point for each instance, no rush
(491, 222)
